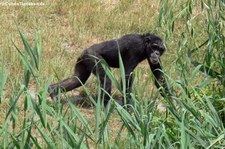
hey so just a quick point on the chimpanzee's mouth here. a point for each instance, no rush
(154, 61)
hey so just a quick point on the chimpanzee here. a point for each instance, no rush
(133, 49)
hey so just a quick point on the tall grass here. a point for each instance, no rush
(210, 49)
(192, 118)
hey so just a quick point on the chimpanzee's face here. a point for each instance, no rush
(156, 50)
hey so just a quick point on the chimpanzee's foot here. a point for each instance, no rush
(52, 90)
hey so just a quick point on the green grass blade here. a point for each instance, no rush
(70, 131)
(15, 141)
(39, 112)
(37, 51)
(220, 138)
(106, 121)
(80, 117)
(27, 141)
(28, 49)
(111, 76)
(48, 140)
(184, 139)
(22, 89)
(26, 62)
(129, 123)
(122, 72)
(3, 75)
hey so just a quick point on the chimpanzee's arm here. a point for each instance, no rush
(160, 80)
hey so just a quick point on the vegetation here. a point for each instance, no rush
(39, 45)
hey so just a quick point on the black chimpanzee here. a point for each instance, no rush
(133, 48)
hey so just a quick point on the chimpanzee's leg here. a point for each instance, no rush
(128, 80)
(129, 83)
(83, 70)
(106, 83)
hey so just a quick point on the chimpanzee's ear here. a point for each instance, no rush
(147, 39)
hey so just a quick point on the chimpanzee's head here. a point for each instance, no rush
(154, 48)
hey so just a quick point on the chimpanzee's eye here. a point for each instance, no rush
(155, 47)
(160, 50)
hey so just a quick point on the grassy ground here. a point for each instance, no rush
(64, 29)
